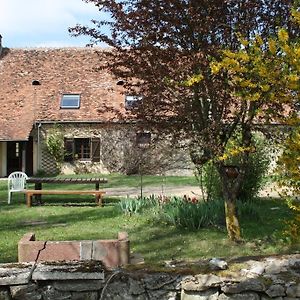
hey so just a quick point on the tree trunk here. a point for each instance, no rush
(230, 187)
(232, 222)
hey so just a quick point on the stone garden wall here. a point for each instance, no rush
(258, 278)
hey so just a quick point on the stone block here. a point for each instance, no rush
(15, 273)
(85, 296)
(86, 249)
(243, 296)
(253, 285)
(293, 291)
(275, 290)
(201, 282)
(4, 294)
(69, 271)
(211, 294)
(49, 293)
(79, 285)
(25, 292)
(107, 251)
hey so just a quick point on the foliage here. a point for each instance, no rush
(184, 214)
(130, 206)
(163, 51)
(265, 75)
(55, 144)
(289, 180)
(204, 214)
(255, 171)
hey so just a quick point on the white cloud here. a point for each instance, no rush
(35, 22)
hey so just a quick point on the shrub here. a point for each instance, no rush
(255, 172)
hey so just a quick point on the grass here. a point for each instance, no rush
(149, 236)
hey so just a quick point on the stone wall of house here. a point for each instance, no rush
(118, 152)
(276, 278)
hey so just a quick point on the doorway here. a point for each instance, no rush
(20, 156)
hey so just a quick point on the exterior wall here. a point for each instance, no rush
(118, 152)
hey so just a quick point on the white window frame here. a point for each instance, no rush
(132, 101)
(65, 97)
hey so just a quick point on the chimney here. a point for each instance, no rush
(1, 44)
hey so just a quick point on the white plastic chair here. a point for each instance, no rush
(16, 183)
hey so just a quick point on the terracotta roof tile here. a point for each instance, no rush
(59, 71)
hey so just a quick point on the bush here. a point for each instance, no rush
(256, 169)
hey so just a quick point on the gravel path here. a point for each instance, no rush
(157, 190)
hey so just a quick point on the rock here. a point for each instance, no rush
(18, 273)
(257, 269)
(69, 270)
(275, 266)
(85, 296)
(244, 286)
(79, 286)
(293, 291)
(244, 296)
(275, 290)
(4, 294)
(218, 264)
(201, 282)
(25, 292)
(206, 295)
(49, 293)
(136, 287)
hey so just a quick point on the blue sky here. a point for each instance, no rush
(44, 23)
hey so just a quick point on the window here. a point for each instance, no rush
(70, 101)
(143, 139)
(82, 149)
(132, 101)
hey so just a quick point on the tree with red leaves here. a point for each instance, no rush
(163, 49)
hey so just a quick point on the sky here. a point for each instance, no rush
(44, 23)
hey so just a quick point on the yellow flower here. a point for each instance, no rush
(297, 51)
(259, 40)
(262, 71)
(244, 56)
(272, 46)
(215, 68)
(194, 79)
(256, 97)
(283, 35)
(293, 77)
(229, 53)
(265, 87)
(296, 15)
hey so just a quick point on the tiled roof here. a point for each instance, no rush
(59, 71)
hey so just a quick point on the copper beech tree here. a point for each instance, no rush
(163, 50)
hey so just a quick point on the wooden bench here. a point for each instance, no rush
(30, 193)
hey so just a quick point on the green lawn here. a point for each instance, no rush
(149, 236)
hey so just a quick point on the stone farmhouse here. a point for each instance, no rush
(45, 91)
